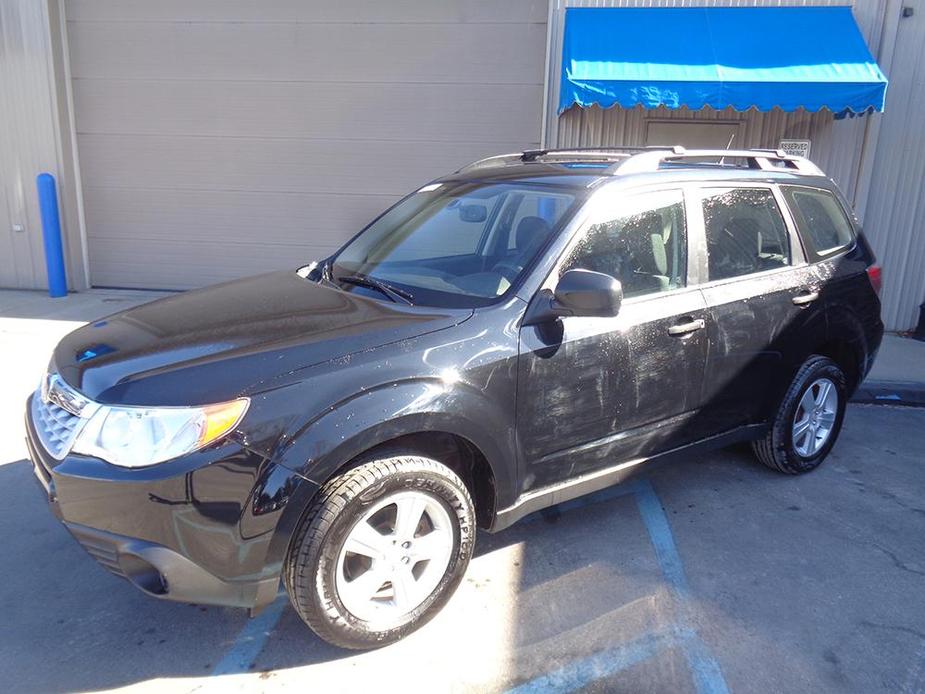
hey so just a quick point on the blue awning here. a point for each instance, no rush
(744, 57)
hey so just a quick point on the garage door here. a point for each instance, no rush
(220, 138)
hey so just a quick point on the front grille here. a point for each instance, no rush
(57, 428)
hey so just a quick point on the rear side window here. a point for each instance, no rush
(745, 232)
(821, 220)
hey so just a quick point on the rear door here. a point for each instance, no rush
(596, 392)
(830, 240)
(763, 303)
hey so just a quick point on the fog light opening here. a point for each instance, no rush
(143, 574)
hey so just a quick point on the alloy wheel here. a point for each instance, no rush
(814, 418)
(394, 557)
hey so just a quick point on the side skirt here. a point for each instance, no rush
(587, 484)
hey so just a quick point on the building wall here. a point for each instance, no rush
(219, 138)
(896, 205)
(224, 137)
(587, 127)
(32, 141)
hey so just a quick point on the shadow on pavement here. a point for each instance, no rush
(795, 584)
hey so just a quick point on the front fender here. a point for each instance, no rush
(373, 417)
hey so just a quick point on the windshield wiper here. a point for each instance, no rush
(394, 293)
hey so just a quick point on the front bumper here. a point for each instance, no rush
(200, 529)
(164, 573)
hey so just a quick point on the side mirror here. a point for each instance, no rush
(588, 293)
(578, 293)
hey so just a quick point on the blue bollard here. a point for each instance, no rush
(51, 235)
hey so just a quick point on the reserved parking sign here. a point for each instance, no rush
(796, 147)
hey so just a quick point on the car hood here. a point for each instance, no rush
(214, 344)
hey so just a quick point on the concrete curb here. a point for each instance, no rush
(890, 393)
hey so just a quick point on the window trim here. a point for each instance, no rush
(812, 254)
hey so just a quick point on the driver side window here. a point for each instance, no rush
(643, 244)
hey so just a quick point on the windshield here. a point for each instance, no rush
(457, 244)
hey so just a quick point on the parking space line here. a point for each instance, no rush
(251, 639)
(653, 516)
(612, 661)
(708, 677)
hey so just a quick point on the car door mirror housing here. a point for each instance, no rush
(578, 293)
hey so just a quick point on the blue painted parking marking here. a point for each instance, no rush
(609, 662)
(251, 639)
(708, 677)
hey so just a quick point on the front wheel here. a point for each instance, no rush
(808, 421)
(381, 550)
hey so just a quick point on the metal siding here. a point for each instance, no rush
(355, 11)
(218, 139)
(618, 126)
(27, 138)
(893, 219)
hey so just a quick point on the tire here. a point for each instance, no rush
(785, 449)
(321, 569)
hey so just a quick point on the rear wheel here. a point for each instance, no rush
(381, 550)
(808, 420)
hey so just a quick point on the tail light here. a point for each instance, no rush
(875, 274)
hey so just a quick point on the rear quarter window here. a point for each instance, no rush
(821, 220)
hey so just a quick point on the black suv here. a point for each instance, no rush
(528, 329)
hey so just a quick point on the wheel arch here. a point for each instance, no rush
(459, 453)
(458, 426)
(846, 344)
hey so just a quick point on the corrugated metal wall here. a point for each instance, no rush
(28, 142)
(896, 205)
(221, 138)
(585, 127)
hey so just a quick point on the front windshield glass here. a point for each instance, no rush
(456, 244)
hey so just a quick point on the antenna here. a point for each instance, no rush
(728, 145)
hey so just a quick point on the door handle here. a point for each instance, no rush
(687, 328)
(806, 298)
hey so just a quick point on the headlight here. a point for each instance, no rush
(140, 436)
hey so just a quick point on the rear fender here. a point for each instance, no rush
(847, 331)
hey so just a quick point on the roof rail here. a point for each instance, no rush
(610, 151)
(764, 159)
(576, 154)
(496, 160)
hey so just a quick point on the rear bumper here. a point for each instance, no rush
(203, 529)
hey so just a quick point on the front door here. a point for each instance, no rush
(597, 392)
